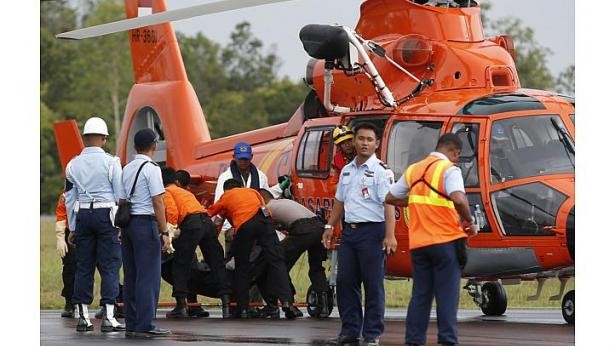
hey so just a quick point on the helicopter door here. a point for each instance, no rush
(148, 118)
(311, 169)
(471, 132)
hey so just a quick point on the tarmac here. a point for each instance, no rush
(536, 327)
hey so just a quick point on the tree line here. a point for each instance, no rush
(93, 77)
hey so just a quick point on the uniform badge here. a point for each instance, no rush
(365, 192)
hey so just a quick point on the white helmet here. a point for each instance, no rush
(95, 125)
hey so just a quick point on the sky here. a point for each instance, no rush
(279, 25)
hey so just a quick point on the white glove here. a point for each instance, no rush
(61, 246)
(174, 231)
(172, 234)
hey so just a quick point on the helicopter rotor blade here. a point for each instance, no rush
(162, 17)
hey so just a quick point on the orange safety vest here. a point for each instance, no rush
(433, 218)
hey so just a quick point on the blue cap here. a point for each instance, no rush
(144, 138)
(243, 150)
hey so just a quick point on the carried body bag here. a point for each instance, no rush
(122, 216)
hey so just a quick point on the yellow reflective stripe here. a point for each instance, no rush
(435, 180)
(439, 202)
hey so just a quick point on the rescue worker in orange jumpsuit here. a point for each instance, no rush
(67, 253)
(251, 221)
(342, 137)
(433, 191)
(195, 229)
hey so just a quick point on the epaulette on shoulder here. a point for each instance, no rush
(384, 165)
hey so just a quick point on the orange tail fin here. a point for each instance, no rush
(155, 52)
(68, 141)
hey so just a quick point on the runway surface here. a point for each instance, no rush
(544, 327)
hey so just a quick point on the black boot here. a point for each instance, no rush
(290, 311)
(69, 309)
(324, 304)
(268, 311)
(180, 310)
(195, 311)
(84, 324)
(226, 306)
(109, 323)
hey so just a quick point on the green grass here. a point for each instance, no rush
(397, 292)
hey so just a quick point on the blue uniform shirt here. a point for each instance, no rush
(148, 185)
(92, 176)
(363, 190)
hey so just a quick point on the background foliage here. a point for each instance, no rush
(237, 84)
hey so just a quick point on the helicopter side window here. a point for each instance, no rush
(478, 211)
(572, 118)
(529, 209)
(314, 154)
(468, 160)
(529, 146)
(410, 142)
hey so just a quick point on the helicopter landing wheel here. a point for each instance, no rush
(494, 300)
(568, 307)
(312, 303)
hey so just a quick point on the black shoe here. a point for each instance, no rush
(267, 311)
(83, 326)
(226, 307)
(110, 324)
(69, 310)
(343, 340)
(149, 334)
(197, 312)
(180, 310)
(371, 342)
(290, 311)
(99, 315)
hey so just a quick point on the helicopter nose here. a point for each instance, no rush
(570, 232)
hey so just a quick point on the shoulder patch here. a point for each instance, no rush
(384, 165)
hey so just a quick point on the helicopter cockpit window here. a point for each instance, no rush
(527, 209)
(530, 146)
(468, 134)
(314, 154)
(410, 142)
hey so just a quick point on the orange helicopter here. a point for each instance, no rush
(416, 69)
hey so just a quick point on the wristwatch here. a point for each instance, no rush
(327, 226)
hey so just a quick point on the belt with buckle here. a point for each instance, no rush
(355, 225)
(147, 217)
(96, 205)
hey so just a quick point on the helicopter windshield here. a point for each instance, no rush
(530, 146)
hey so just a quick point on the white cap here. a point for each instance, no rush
(95, 125)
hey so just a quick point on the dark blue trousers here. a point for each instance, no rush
(141, 251)
(97, 245)
(436, 273)
(361, 261)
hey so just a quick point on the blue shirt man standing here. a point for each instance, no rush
(368, 235)
(141, 248)
(93, 187)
